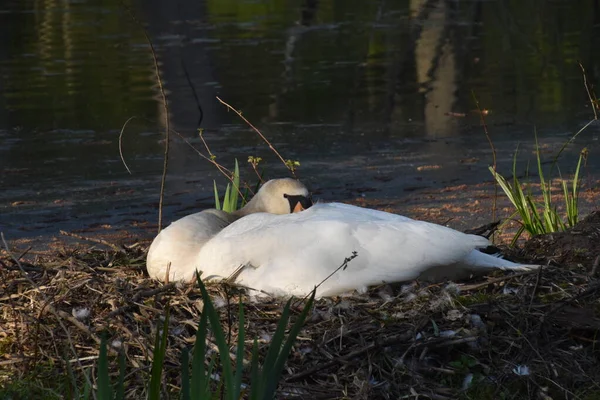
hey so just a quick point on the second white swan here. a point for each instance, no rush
(172, 255)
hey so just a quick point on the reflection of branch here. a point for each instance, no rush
(593, 99)
(239, 114)
(166, 108)
(189, 80)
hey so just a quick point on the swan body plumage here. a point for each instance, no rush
(173, 253)
(290, 254)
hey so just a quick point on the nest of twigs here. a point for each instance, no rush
(523, 335)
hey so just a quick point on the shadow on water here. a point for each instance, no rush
(375, 99)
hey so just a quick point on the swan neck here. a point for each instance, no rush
(253, 206)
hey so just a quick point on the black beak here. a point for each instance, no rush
(298, 203)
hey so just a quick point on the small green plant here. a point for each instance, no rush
(464, 364)
(263, 380)
(254, 161)
(232, 193)
(292, 165)
(105, 390)
(541, 217)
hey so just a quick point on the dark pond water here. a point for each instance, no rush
(363, 93)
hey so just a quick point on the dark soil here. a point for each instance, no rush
(578, 246)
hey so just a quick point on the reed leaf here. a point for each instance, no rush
(200, 378)
(231, 392)
(185, 375)
(120, 389)
(160, 347)
(539, 218)
(104, 390)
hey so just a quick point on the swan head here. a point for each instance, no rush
(280, 196)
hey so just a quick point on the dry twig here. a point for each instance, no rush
(255, 129)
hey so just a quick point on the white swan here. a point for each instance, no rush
(172, 254)
(290, 254)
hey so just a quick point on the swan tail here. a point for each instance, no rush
(479, 260)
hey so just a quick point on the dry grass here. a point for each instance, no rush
(394, 342)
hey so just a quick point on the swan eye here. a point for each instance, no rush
(298, 202)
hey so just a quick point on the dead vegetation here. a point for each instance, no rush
(510, 336)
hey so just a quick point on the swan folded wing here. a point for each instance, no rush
(293, 253)
(400, 251)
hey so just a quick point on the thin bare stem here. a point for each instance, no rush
(260, 178)
(93, 240)
(221, 168)
(239, 114)
(567, 143)
(343, 267)
(121, 143)
(593, 101)
(166, 109)
(229, 174)
(489, 139)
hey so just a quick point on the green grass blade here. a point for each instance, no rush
(257, 186)
(217, 394)
(502, 182)
(576, 177)
(72, 388)
(120, 389)
(517, 235)
(104, 389)
(515, 195)
(185, 375)
(237, 384)
(87, 389)
(277, 370)
(217, 201)
(276, 343)
(244, 197)
(215, 323)
(209, 373)
(568, 142)
(560, 224)
(199, 377)
(567, 196)
(235, 190)
(539, 159)
(160, 347)
(226, 199)
(522, 204)
(527, 213)
(550, 217)
(537, 225)
(255, 376)
(573, 204)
